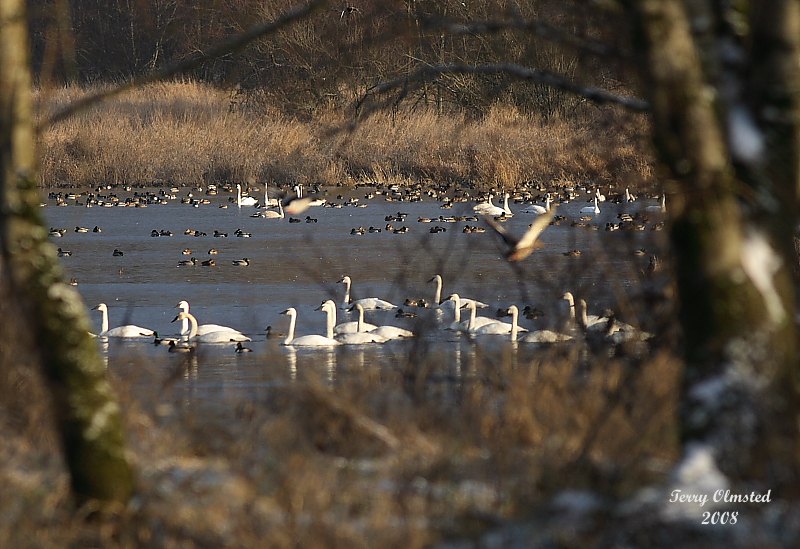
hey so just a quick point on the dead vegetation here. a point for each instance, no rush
(189, 133)
(390, 456)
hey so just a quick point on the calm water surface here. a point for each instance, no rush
(298, 265)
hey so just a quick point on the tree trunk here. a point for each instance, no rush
(733, 259)
(88, 418)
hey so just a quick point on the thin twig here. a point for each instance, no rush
(591, 93)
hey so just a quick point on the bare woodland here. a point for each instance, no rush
(716, 83)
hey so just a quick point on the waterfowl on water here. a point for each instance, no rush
(312, 340)
(191, 262)
(210, 337)
(368, 303)
(244, 200)
(209, 263)
(204, 329)
(128, 330)
(538, 336)
(64, 253)
(358, 337)
(118, 252)
(594, 210)
(244, 262)
(242, 349)
(448, 303)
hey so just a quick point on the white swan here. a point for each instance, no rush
(537, 209)
(272, 214)
(204, 328)
(354, 326)
(587, 319)
(313, 340)
(494, 211)
(210, 337)
(484, 206)
(448, 303)
(384, 332)
(360, 336)
(128, 330)
(538, 336)
(660, 207)
(598, 196)
(464, 325)
(369, 303)
(591, 209)
(244, 200)
(487, 326)
(269, 202)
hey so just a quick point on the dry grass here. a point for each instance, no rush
(187, 133)
(389, 458)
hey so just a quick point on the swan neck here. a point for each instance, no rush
(346, 292)
(514, 327)
(104, 321)
(331, 320)
(290, 333)
(438, 296)
(360, 325)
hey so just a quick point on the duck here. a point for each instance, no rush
(187, 251)
(81, 229)
(180, 347)
(209, 263)
(118, 252)
(241, 348)
(157, 340)
(191, 262)
(64, 253)
(244, 200)
(209, 337)
(126, 331)
(369, 303)
(204, 329)
(312, 340)
(244, 262)
(213, 251)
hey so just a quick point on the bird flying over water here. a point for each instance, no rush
(520, 248)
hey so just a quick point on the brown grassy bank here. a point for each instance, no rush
(392, 460)
(188, 133)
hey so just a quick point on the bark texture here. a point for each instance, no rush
(731, 156)
(87, 415)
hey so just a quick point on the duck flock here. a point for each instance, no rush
(478, 214)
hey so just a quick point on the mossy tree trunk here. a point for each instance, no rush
(724, 93)
(88, 417)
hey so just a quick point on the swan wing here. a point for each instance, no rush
(392, 332)
(313, 340)
(360, 338)
(352, 327)
(129, 330)
(524, 246)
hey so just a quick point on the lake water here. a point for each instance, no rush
(298, 265)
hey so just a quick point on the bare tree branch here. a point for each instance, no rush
(423, 74)
(536, 27)
(233, 44)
